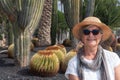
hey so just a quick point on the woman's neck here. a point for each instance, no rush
(90, 53)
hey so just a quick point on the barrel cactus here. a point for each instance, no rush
(118, 47)
(32, 46)
(67, 42)
(57, 51)
(62, 48)
(35, 41)
(11, 50)
(44, 63)
(69, 55)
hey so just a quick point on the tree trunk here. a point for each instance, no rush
(45, 24)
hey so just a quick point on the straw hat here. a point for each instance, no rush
(91, 21)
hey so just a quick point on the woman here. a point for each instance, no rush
(92, 61)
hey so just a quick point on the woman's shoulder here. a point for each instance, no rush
(109, 53)
(112, 58)
(73, 59)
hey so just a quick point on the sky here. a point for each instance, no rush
(59, 6)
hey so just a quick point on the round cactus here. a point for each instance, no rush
(57, 51)
(118, 47)
(11, 50)
(67, 42)
(35, 41)
(31, 46)
(44, 63)
(69, 55)
(62, 48)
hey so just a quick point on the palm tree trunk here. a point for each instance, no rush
(45, 24)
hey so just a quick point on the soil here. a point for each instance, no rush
(10, 71)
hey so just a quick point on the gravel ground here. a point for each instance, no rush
(9, 71)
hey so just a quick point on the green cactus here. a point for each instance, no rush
(25, 16)
(11, 53)
(71, 10)
(44, 63)
(69, 55)
(57, 51)
(61, 47)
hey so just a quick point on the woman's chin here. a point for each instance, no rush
(92, 44)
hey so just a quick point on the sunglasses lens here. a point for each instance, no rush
(95, 32)
(86, 32)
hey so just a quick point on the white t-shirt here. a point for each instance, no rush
(112, 60)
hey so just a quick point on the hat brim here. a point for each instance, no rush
(106, 30)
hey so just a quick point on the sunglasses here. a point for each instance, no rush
(94, 32)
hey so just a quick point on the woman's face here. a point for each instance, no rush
(91, 36)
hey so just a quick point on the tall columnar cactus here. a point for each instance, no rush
(10, 38)
(54, 21)
(90, 8)
(71, 10)
(74, 12)
(24, 15)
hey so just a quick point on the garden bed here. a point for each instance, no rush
(10, 71)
